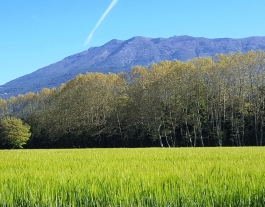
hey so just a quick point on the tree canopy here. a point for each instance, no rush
(205, 101)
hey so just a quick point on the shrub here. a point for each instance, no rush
(13, 132)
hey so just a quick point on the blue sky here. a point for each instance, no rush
(34, 34)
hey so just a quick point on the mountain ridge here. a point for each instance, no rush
(120, 55)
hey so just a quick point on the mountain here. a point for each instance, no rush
(120, 55)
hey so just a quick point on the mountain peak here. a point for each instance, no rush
(120, 55)
(113, 41)
(140, 38)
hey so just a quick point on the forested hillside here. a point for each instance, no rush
(205, 101)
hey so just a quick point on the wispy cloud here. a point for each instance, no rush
(112, 4)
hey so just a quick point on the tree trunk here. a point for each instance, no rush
(159, 136)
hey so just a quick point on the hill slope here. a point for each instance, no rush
(120, 55)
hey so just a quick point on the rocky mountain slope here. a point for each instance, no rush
(120, 55)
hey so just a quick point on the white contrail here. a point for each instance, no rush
(100, 20)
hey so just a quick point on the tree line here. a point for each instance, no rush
(206, 101)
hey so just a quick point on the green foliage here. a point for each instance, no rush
(13, 133)
(133, 177)
(206, 101)
(3, 108)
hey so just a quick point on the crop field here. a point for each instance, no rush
(133, 177)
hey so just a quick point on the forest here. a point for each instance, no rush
(203, 102)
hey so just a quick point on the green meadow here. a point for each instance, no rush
(133, 177)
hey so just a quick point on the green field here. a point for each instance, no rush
(133, 177)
